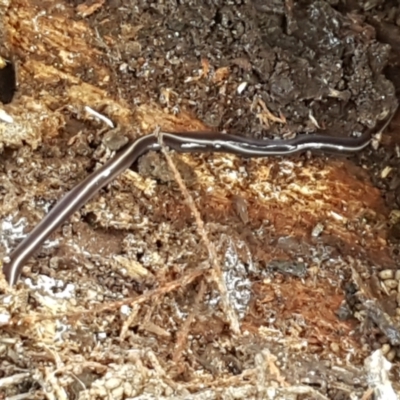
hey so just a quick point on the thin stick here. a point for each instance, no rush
(168, 287)
(216, 273)
(184, 331)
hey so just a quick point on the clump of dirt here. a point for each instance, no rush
(309, 63)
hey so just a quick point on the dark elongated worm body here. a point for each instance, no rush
(182, 142)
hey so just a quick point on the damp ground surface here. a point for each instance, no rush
(280, 279)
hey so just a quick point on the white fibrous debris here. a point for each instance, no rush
(377, 367)
(236, 281)
(4, 317)
(11, 232)
(46, 284)
(101, 117)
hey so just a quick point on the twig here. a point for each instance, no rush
(14, 379)
(299, 390)
(183, 333)
(169, 287)
(216, 273)
(21, 396)
(368, 394)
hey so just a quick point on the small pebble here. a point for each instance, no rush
(112, 383)
(398, 311)
(117, 393)
(241, 87)
(91, 294)
(385, 348)
(128, 389)
(397, 275)
(386, 274)
(335, 347)
(386, 171)
(391, 355)
(100, 392)
(317, 230)
(391, 283)
(398, 299)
